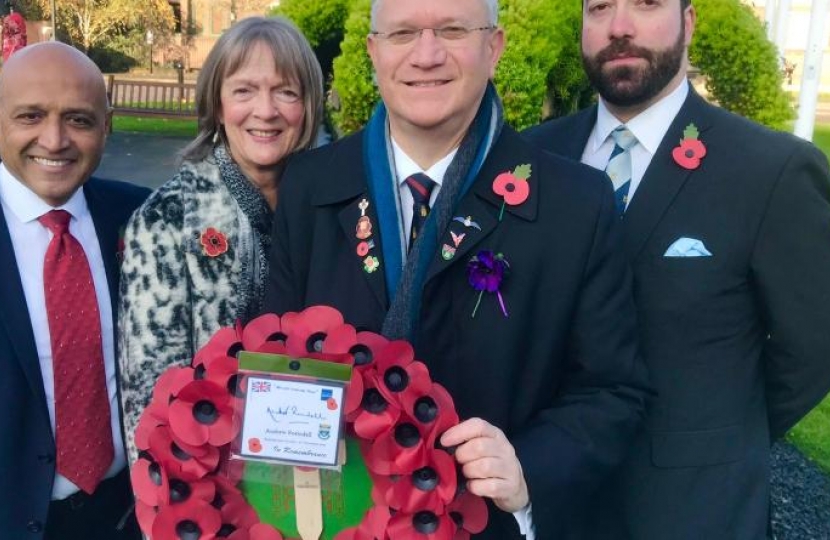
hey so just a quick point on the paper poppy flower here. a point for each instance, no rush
(194, 519)
(485, 273)
(691, 149)
(310, 330)
(430, 487)
(375, 415)
(263, 331)
(432, 408)
(398, 372)
(513, 186)
(203, 413)
(149, 480)
(225, 342)
(237, 517)
(214, 243)
(469, 513)
(372, 527)
(188, 462)
(421, 526)
(399, 450)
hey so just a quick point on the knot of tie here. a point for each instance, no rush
(623, 137)
(421, 187)
(56, 221)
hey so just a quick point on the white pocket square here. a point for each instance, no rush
(687, 247)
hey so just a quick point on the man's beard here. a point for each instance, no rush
(626, 86)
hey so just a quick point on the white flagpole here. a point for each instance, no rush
(811, 76)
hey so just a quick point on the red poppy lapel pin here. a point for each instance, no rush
(214, 243)
(512, 187)
(691, 149)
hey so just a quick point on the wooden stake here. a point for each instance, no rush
(308, 503)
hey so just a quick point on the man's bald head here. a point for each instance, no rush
(53, 58)
(54, 119)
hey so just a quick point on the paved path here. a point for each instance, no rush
(148, 160)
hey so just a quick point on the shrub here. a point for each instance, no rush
(354, 91)
(322, 23)
(730, 47)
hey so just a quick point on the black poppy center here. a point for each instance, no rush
(425, 479)
(205, 412)
(689, 153)
(218, 502)
(178, 453)
(214, 240)
(188, 530)
(362, 354)
(457, 518)
(314, 344)
(510, 188)
(278, 337)
(235, 349)
(425, 522)
(373, 402)
(407, 435)
(234, 387)
(226, 530)
(200, 373)
(179, 490)
(396, 379)
(155, 473)
(426, 410)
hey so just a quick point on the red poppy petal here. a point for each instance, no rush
(340, 339)
(239, 513)
(145, 488)
(473, 511)
(198, 513)
(263, 531)
(370, 426)
(518, 194)
(260, 330)
(146, 516)
(146, 425)
(184, 426)
(223, 430)
(500, 183)
(396, 353)
(354, 394)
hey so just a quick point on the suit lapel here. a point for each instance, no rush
(575, 137)
(106, 228)
(663, 179)
(14, 315)
(349, 192)
(359, 220)
(477, 214)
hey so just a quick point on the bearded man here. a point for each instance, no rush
(727, 228)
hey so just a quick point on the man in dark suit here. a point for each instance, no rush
(63, 472)
(727, 227)
(400, 226)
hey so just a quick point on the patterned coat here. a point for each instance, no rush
(175, 293)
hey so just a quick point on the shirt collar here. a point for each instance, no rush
(406, 167)
(27, 206)
(650, 126)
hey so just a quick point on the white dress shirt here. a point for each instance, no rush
(22, 208)
(404, 168)
(650, 126)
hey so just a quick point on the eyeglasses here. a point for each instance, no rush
(406, 36)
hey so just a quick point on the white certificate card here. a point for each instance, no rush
(296, 422)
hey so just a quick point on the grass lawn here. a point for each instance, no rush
(158, 126)
(812, 434)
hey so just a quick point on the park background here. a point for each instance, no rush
(747, 56)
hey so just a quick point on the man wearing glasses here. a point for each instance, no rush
(438, 224)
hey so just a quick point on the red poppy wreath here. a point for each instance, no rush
(396, 413)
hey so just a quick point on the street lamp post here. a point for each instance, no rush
(150, 43)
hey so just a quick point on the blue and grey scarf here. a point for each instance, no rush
(405, 274)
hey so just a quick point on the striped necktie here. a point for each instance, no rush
(619, 165)
(420, 185)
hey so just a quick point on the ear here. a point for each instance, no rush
(689, 19)
(496, 43)
(371, 47)
(108, 121)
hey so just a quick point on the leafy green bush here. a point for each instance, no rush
(354, 90)
(730, 47)
(322, 23)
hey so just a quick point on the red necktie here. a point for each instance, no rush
(83, 432)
